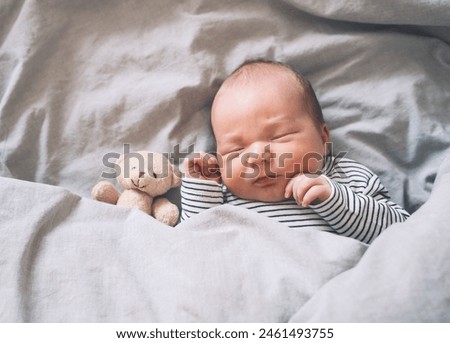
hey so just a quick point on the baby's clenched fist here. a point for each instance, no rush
(308, 189)
(202, 166)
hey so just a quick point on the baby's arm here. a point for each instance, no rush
(360, 215)
(200, 188)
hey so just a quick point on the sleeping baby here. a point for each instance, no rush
(273, 157)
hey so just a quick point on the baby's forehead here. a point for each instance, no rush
(271, 82)
(253, 83)
(255, 73)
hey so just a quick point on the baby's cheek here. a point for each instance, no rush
(287, 164)
(230, 171)
(292, 164)
(313, 165)
(234, 185)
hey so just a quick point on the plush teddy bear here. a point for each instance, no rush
(144, 176)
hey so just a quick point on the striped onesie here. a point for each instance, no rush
(359, 205)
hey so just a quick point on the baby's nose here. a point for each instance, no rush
(259, 152)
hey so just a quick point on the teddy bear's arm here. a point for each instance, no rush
(164, 211)
(106, 192)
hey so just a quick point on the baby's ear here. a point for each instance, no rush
(325, 135)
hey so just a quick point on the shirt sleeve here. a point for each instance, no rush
(361, 215)
(199, 195)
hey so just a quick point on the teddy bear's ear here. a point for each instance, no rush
(120, 159)
(176, 177)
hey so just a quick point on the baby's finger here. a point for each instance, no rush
(187, 163)
(312, 194)
(302, 186)
(208, 167)
(193, 165)
(213, 165)
(289, 187)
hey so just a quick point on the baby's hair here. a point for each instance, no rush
(252, 68)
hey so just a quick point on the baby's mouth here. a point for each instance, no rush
(265, 180)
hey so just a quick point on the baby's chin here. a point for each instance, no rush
(269, 198)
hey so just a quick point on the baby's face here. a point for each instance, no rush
(264, 137)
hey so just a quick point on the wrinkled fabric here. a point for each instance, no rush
(79, 80)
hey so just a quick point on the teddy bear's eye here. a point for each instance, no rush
(155, 176)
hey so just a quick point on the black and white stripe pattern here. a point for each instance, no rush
(199, 195)
(359, 206)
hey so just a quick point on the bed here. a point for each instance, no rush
(81, 79)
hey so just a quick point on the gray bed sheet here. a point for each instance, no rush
(80, 79)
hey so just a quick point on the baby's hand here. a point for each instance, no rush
(308, 189)
(202, 166)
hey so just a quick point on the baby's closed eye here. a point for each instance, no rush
(236, 149)
(230, 154)
(282, 136)
(230, 149)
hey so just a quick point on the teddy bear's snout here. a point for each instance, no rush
(142, 179)
(135, 182)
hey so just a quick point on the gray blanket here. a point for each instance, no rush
(80, 79)
(73, 259)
